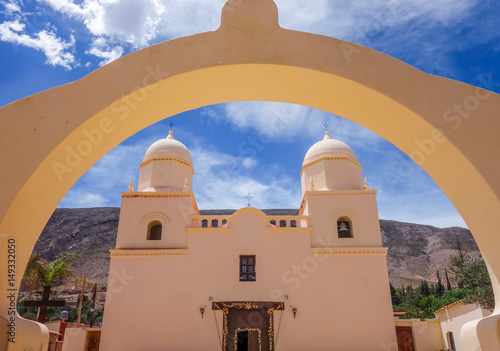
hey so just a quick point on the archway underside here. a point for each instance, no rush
(412, 120)
(89, 142)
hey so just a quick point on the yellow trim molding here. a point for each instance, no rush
(148, 252)
(204, 230)
(165, 159)
(349, 251)
(145, 194)
(291, 229)
(360, 192)
(329, 159)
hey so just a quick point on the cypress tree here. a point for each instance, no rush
(394, 296)
(448, 283)
(424, 288)
(439, 291)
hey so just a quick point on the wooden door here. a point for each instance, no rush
(248, 324)
(92, 340)
(255, 322)
(405, 339)
(254, 338)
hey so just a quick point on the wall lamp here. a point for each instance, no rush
(202, 310)
(294, 310)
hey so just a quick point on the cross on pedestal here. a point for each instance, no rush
(326, 127)
(248, 197)
(171, 125)
(44, 303)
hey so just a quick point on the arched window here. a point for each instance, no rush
(273, 222)
(344, 227)
(282, 223)
(154, 231)
(451, 342)
(204, 223)
(293, 223)
(215, 223)
(224, 221)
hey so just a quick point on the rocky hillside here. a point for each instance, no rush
(415, 251)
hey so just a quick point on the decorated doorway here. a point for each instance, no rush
(248, 326)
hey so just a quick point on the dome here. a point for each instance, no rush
(168, 147)
(328, 147)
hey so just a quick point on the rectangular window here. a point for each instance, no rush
(247, 268)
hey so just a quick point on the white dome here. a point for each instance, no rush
(168, 147)
(328, 147)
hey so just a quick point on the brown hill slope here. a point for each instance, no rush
(415, 251)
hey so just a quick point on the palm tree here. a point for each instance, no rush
(57, 271)
(31, 274)
(42, 273)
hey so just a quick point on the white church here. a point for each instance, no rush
(312, 279)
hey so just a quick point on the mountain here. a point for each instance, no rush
(415, 251)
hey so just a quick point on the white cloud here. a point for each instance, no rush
(275, 121)
(355, 20)
(54, 48)
(206, 160)
(69, 8)
(272, 120)
(222, 180)
(112, 173)
(119, 25)
(108, 177)
(131, 21)
(220, 190)
(248, 162)
(101, 49)
(11, 7)
(126, 20)
(114, 23)
(82, 199)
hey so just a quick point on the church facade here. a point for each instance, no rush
(312, 279)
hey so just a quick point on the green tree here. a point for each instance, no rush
(73, 312)
(448, 283)
(402, 293)
(31, 275)
(40, 273)
(410, 293)
(439, 289)
(473, 274)
(424, 289)
(396, 300)
(56, 272)
(457, 260)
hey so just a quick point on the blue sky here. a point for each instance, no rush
(47, 43)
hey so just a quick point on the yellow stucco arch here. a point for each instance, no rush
(50, 139)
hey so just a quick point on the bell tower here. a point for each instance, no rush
(342, 209)
(157, 214)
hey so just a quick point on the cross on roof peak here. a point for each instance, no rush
(248, 197)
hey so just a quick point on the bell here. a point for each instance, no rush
(343, 230)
